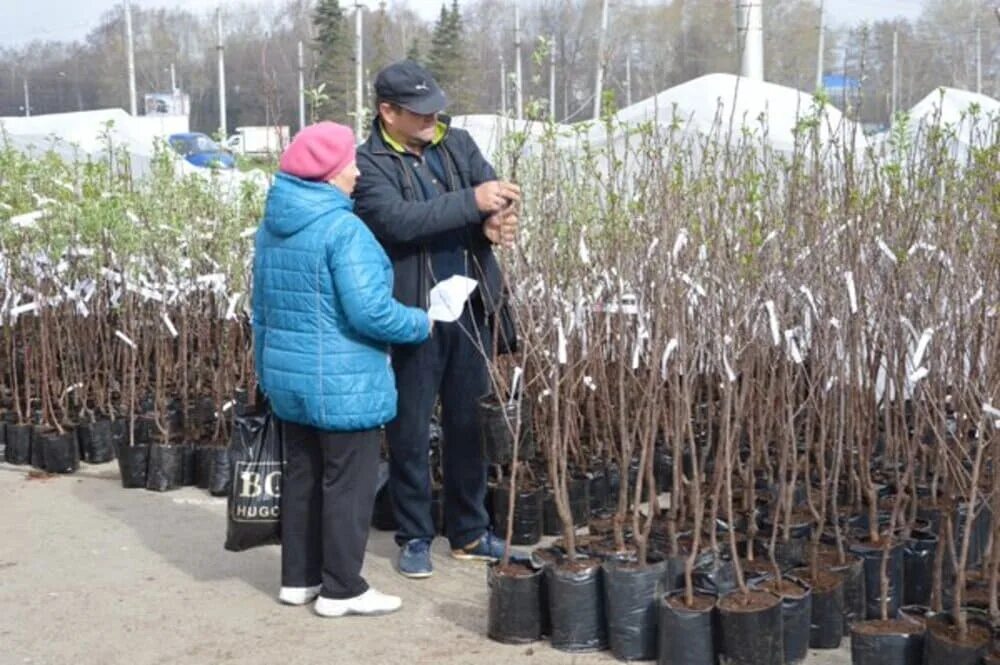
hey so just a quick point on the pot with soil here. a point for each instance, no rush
(872, 555)
(18, 449)
(918, 567)
(750, 626)
(892, 642)
(796, 616)
(95, 441)
(133, 463)
(203, 466)
(221, 471)
(855, 592)
(38, 447)
(686, 632)
(598, 489)
(630, 592)
(527, 513)
(62, 455)
(945, 643)
(165, 467)
(514, 614)
(497, 422)
(576, 606)
(827, 619)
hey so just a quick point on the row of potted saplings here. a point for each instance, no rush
(153, 453)
(748, 590)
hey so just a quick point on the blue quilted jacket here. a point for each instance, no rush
(323, 311)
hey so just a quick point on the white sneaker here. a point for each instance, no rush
(370, 603)
(298, 595)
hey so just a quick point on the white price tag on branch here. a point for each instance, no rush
(448, 298)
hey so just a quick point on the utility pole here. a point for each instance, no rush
(518, 92)
(599, 82)
(821, 47)
(750, 34)
(503, 87)
(552, 78)
(895, 72)
(222, 78)
(173, 78)
(130, 56)
(359, 72)
(27, 100)
(628, 77)
(302, 90)
(979, 57)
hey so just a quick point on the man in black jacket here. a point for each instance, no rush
(438, 208)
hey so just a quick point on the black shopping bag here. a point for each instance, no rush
(254, 508)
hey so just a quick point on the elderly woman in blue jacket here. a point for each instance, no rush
(323, 319)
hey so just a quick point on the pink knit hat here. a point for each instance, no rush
(319, 152)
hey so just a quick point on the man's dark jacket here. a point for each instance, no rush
(393, 205)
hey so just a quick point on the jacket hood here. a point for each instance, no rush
(294, 203)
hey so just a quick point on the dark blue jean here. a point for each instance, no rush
(452, 365)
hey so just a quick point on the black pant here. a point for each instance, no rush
(451, 364)
(328, 490)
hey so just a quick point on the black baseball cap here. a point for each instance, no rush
(411, 86)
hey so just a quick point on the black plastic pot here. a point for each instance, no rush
(942, 646)
(119, 435)
(827, 619)
(918, 567)
(796, 618)
(203, 466)
(95, 442)
(663, 470)
(189, 473)
(551, 524)
(133, 462)
(514, 614)
(598, 489)
(527, 515)
(37, 448)
(685, 635)
(579, 499)
(855, 592)
(788, 553)
(165, 467)
(18, 449)
(751, 636)
(897, 642)
(576, 607)
(221, 474)
(496, 423)
(61, 452)
(872, 555)
(630, 594)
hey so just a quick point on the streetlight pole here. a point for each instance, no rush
(130, 56)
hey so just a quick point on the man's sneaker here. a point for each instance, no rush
(487, 548)
(370, 603)
(298, 595)
(415, 559)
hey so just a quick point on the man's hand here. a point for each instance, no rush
(501, 228)
(496, 195)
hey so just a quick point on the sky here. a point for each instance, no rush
(63, 20)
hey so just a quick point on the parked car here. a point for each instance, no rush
(199, 150)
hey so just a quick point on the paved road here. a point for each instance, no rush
(91, 573)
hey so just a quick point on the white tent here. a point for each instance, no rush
(490, 131)
(971, 116)
(728, 106)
